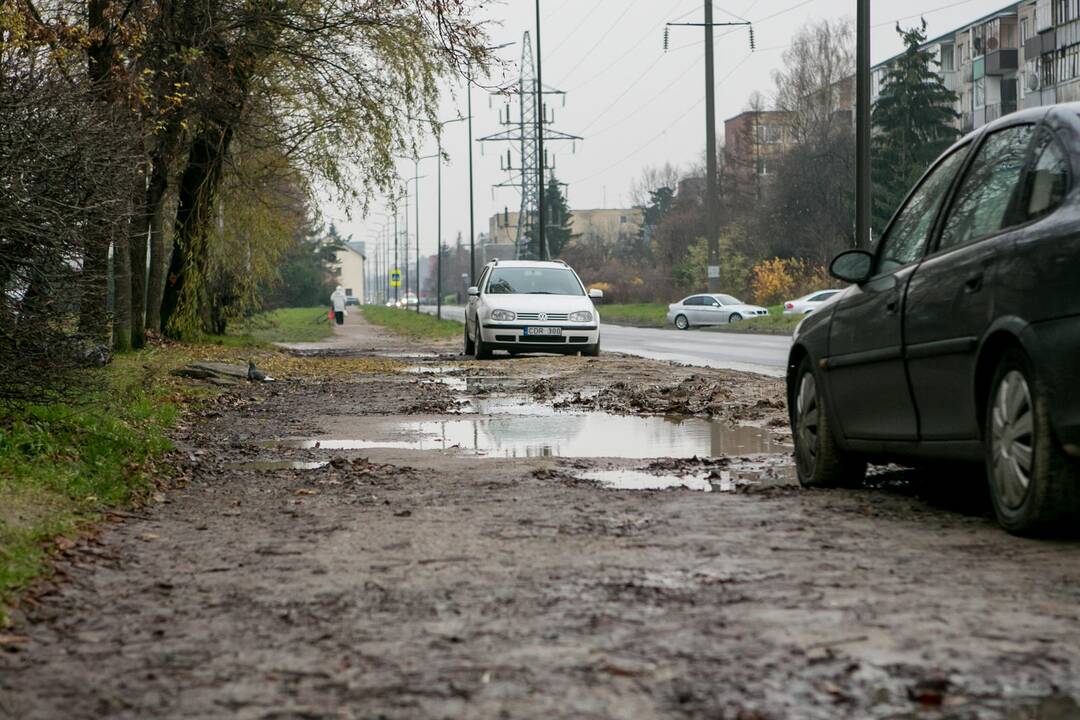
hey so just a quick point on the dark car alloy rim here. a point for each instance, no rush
(1012, 439)
(806, 413)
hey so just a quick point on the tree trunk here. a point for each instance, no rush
(194, 213)
(137, 240)
(94, 289)
(122, 289)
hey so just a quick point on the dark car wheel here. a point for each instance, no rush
(591, 350)
(819, 461)
(1034, 485)
(734, 317)
(469, 349)
(481, 350)
(681, 322)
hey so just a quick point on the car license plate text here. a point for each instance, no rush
(556, 331)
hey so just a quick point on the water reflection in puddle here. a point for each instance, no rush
(640, 480)
(275, 465)
(563, 435)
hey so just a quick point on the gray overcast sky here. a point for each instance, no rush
(634, 104)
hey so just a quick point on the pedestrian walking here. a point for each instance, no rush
(337, 299)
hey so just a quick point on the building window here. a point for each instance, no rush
(1044, 18)
(980, 93)
(770, 134)
(1048, 65)
(947, 64)
(348, 292)
(978, 41)
(1025, 30)
(762, 166)
(622, 220)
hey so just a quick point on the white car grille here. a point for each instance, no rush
(556, 317)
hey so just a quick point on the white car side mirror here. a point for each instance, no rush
(474, 291)
(596, 293)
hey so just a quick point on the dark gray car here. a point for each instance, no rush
(960, 337)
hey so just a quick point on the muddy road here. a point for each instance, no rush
(434, 538)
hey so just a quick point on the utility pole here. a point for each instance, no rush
(472, 219)
(862, 125)
(712, 196)
(397, 239)
(438, 258)
(542, 208)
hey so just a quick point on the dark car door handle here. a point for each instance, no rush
(974, 283)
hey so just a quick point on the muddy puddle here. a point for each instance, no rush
(271, 465)
(641, 480)
(504, 428)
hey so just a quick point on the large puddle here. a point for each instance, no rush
(509, 434)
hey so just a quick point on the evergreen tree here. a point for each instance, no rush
(660, 201)
(913, 124)
(558, 221)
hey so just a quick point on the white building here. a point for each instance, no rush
(350, 266)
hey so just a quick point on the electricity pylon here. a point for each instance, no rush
(523, 131)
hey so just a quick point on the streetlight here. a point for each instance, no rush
(415, 179)
(438, 261)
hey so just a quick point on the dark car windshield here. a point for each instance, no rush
(533, 281)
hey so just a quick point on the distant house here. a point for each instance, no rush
(350, 266)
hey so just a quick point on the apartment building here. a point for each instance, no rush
(1024, 54)
(753, 141)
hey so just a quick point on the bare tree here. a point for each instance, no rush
(651, 179)
(817, 80)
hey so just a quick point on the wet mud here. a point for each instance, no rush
(555, 538)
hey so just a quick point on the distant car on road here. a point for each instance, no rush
(531, 306)
(809, 303)
(352, 300)
(959, 339)
(697, 310)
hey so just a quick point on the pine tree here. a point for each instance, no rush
(558, 221)
(913, 124)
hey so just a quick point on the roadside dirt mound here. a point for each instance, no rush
(730, 397)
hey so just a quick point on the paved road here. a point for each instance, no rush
(765, 354)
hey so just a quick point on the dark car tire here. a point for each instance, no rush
(734, 318)
(1049, 504)
(684, 324)
(469, 348)
(819, 461)
(591, 350)
(481, 351)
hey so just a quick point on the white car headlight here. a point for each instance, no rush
(502, 315)
(581, 316)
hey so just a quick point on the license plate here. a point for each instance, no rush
(555, 331)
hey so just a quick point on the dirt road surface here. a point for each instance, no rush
(456, 546)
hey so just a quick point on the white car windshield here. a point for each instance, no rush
(533, 281)
(727, 300)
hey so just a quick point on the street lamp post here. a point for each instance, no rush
(438, 239)
(862, 125)
(416, 176)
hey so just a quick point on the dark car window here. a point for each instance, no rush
(533, 281)
(694, 301)
(821, 297)
(1047, 181)
(982, 203)
(905, 240)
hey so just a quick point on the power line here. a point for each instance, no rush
(651, 100)
(601, 39)
(581, 24)
(634, 46)
(663, 132)
(624, 93)
(931, 11)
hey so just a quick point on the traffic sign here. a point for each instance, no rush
(395, 278)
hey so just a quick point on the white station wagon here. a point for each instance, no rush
(531, 306)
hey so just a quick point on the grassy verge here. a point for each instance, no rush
(775, 323)
(412, 324)
(306, 324)
(63, 464)
(637, 314)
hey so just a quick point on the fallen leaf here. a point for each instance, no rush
(13, 639)
(147, 537)
(306, 491)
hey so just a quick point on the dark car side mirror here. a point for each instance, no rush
(853, 266)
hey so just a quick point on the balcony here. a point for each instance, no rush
(1000, 62)
(1044, 42)
(951, 80)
